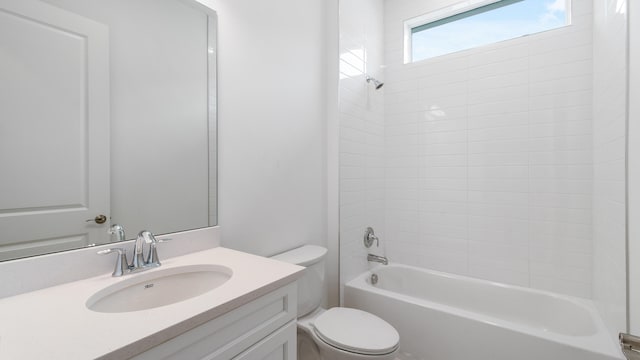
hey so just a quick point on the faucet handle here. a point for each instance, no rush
(147, 236)
(121, 262)
(152, 257)
(370, 237)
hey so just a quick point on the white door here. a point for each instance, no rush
(54, 129)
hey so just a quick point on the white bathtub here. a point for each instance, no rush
(448, 317)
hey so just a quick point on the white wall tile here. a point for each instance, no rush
(362, 141)
(559, 115)
(498, 159)
(504, 145)
(609, 129)
(578, 142)
(503, 139)
(499, 133)
(499, 67)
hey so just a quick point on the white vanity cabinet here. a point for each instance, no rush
(251, 316)
(264, 328)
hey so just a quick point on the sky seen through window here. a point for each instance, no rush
(515, 19)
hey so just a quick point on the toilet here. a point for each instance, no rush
(338, 333)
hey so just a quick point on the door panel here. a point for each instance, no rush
(54, 75)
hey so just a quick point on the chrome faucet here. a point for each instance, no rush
(117, 233)
(379, 259)
(137, 263)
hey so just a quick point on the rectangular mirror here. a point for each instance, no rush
(107, 116)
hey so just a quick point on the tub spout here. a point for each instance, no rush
(380, 259)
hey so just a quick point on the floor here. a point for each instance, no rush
(406, 356)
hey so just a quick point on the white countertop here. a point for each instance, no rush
(54, 323)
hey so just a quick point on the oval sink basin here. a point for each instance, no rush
(153, 289)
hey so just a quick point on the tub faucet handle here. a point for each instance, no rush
(370, 237)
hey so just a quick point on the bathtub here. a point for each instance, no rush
(442, 316)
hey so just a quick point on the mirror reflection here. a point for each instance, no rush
(107, 116)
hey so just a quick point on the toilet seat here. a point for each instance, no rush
(356, 331)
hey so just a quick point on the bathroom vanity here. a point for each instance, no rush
(251, 315)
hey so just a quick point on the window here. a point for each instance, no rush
(475, 23)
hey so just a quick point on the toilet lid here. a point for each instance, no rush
(356, 331)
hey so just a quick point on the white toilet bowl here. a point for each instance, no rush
(345, 334)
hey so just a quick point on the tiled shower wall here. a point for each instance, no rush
(361, 115)
(609, 129)
(489, 156)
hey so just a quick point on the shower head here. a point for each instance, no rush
(375, 82)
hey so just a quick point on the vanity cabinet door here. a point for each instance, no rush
(228, 335)
(281, 345)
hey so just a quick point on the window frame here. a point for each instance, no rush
(450, 12)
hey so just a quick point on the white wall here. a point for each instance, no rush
(361, 114)
(610, 122)
(272, 124)
(489, 155)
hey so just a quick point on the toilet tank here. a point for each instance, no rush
(311, 286)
